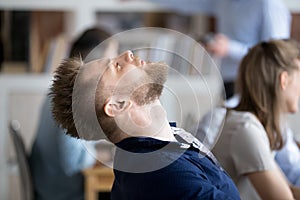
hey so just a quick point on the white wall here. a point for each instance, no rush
(21, 98)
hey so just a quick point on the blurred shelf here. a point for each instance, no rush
(14, 68)
(99, 5)
(70, 5)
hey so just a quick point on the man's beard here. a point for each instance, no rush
(151, 85)
(143, 85)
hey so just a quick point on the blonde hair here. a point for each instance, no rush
(259, 87)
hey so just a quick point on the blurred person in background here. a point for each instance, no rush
(246, 137)
(288, 158)
(240, 24)
(56, 160)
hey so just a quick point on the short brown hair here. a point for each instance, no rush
(258, 83)
(61, 92)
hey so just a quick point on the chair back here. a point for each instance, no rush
(22, 160)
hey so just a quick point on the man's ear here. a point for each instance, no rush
(116, 106)
(284, 80)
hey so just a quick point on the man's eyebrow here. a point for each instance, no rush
(105, 62)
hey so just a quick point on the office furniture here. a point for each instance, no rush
(27, 191)
(97, 179)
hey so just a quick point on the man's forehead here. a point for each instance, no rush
(93, 70)
(101, 62)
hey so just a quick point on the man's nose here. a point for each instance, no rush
(127, 56)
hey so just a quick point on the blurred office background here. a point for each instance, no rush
(35, 36)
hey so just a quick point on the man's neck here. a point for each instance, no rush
(148, 121)
(166, 134)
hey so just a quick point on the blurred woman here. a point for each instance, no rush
(269, 87)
